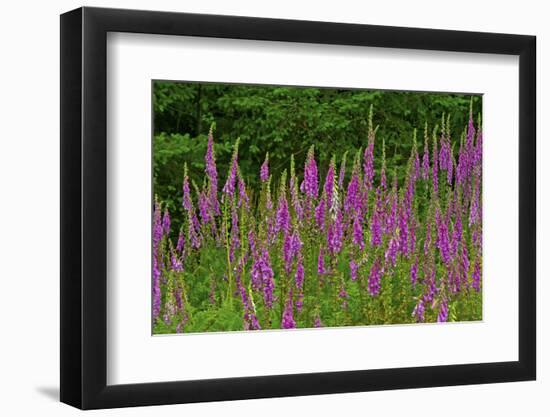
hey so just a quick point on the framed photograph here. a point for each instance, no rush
(256, 208)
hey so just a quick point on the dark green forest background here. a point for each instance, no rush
(284, 121)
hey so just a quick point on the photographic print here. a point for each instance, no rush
(284, 207)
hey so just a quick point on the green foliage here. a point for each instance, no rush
(286, 121)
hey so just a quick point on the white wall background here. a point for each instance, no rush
(29, 218)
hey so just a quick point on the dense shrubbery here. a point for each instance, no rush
(332, 240)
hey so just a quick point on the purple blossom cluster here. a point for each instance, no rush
(332, 244)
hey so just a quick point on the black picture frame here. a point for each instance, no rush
(84, 207)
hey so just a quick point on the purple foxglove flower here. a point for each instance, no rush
(317, 321)
(157, 237)
(212, 174)
(376, 229)
(252, 241)
(391, 218)
(288, 318)
(335, 234)
(476, 277)
(475, 216)
(320, 213)
(181, 242)
(465, 265)
(457, 231)
(204, 208)
(283, 215)
(329, 182)
(310, 185)
(287, 252)
(443, 237)
(354, 268)
(186, 201)
(416, 166)
(431, 289)
(264, 169)
(156, 288)
(414, 272)
(175, 263)
(358, 233)
(403, 235)
(229, 187)
(321, 262)
(368, 164)
(192, 230)
(443, 311)
(353, 197)
(450, 172)
(391, 252)
(478, 152)
(243, 197)
(419, 310)
(375, 276)
(157, 226)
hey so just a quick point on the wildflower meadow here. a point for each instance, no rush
(353, 239)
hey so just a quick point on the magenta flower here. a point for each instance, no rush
(181, 242)
(310, 185)
(320, 213)
(353, 196)
(375, 229)
(186, 201)
(476, 277)
(368, 163)
(157, 237)
(335, 234)
(391, 252)
(358, 233)
(443, 313)
(321, 262)
(419, 310)
(175, 263)
(414, 272)
(374, 278)
(288, 318)
(243, 196)
(212, 174)
(204, 208)
(229, 187)
(317, 321)
(283, 215)
(267, 277)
